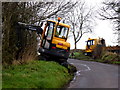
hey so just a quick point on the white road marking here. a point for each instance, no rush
(79, 71)
(72, 63)
(88, 68)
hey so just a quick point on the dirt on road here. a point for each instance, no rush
(94, 75)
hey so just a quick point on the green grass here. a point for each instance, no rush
(0, 76)
(79, 55)
(36, 74)
(107, 61)
(116, 62)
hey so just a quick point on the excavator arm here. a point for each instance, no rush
(37, 29)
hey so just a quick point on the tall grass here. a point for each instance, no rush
(36, 74)
(109, 57)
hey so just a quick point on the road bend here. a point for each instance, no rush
(94, 75)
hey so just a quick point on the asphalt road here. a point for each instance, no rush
(94, 75)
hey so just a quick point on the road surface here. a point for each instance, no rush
(94, 75)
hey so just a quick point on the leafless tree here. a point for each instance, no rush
(81, 21)
(47, 10)
(111, 11)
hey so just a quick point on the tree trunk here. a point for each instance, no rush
(75, 45)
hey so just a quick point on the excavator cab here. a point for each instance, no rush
(90, 45)
(94, 47)
(54, 37)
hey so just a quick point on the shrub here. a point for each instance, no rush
(110, 57)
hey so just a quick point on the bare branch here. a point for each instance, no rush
(111, 11)
(80, 20)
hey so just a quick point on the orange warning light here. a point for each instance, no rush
(59, 18)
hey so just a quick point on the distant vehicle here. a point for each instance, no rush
(94, 47)
(53, 43)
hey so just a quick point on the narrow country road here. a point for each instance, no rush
(94, 75)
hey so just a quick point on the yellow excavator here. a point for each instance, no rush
(53, 42)
(94, 47)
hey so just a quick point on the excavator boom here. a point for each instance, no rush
(37, 29)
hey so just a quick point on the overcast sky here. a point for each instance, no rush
(102, 29)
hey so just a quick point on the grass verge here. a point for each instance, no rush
(79, 55)
(107, 57)
(0, 76)
(36, 74)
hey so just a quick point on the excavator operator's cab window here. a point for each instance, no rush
(61, 32)
(49, 31)
(90, 42)
(48, 35)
